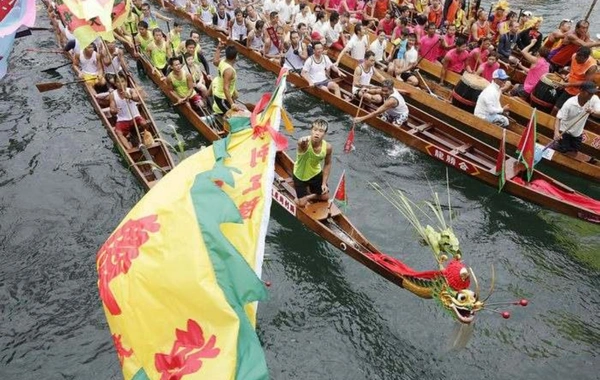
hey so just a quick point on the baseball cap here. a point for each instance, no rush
(500, 74)
(527, 13)
(589, 87)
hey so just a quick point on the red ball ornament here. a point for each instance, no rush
(267, 284)
(523, 302)
(505, 314)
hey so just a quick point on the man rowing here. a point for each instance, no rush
(159, 51)
(296, 52)
(151, 18)
(112, 62)
(394, 109)
(181, 84)
(362, 79)
(310, 176)
(224, 85)
(123, 106)
(317, 68)
(193, 43)
(571, 119)
(143, 38)
(88, 66)
(580, 37)
(583, 69)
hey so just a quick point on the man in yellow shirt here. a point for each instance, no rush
(310, 177)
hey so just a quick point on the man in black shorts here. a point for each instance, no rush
(310, 176)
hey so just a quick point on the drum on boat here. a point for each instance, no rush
(467, 91)
(546, 92)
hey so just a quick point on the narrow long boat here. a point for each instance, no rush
(148, 163)
(443, 142)
(466, 120)
(519, 109)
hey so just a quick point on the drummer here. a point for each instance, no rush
(571, 119)
(488, 105)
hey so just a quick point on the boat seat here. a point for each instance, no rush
(461, 149)
(420, 128)
(137, 149)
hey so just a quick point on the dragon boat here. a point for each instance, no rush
(149, 163)
(441, 141)
(448, 285)
(440, 107)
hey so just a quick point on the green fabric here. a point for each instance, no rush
(236, 278)
(308, 164)
(180, 85)
(140, 375)
(144, 42)
(159, 55)
(218, 85)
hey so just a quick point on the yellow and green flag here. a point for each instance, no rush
(180, 276)
(90, 19)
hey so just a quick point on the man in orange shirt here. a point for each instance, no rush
(583, 68)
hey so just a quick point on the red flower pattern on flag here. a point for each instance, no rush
(122, 353)
(118, 252)
(188, 350)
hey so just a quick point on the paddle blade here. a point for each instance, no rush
(56, 68)
(43, 87)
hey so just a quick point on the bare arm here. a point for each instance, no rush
(388, 104)
(112, 104)
(227, 78)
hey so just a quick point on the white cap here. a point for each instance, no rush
(527, 13)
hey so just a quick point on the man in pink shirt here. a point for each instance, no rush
(429, 44)
(387, 23)
(455, 60)
(487, 68)
(478, 55)
(538, 67)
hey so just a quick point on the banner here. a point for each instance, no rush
(179, 278)
(90, 19)
(13, 14)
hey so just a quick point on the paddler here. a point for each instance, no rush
(181, 84)
(362, 79)
(317, 68)
(310, 176)
(159, 51)
(88, 66)
(571, 119)
(123, 106)
(580, 37)
(143, 38)
(193, 43)
(394, 108)
(224, 85)
(583, 68)
(150, 17)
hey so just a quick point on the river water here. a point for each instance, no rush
(64, 188)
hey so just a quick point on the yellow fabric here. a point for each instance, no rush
(170, 279)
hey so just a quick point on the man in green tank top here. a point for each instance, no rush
(310, 177)
(224, 85)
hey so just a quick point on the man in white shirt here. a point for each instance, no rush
(379, 46)
(270, 6)
(488, 105)
(305, 16)
(287, 11)
(333, 32)
(316, 70)
(357, 46)
(571, 119)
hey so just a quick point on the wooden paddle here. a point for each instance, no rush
(538, 157)
(56, 68)
(49, 86)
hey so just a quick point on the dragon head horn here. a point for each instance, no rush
(475, 281)
(492, 284)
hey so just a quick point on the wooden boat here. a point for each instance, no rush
(519, 109)
(327, 221)
(434, 137)
(148, 163)
(466, 120)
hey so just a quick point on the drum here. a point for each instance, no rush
(467, 91)
(546, 92)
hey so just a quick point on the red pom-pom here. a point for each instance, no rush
(267, 283)
(523, 302)
(452, 274)
(505, 314)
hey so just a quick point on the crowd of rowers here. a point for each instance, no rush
(298, 34)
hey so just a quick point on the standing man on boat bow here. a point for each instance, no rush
(310, 178)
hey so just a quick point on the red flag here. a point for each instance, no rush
(340, 191)
(500, 162)
(526, 147)
(349, 144)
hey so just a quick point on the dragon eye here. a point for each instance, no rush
(461, 297)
